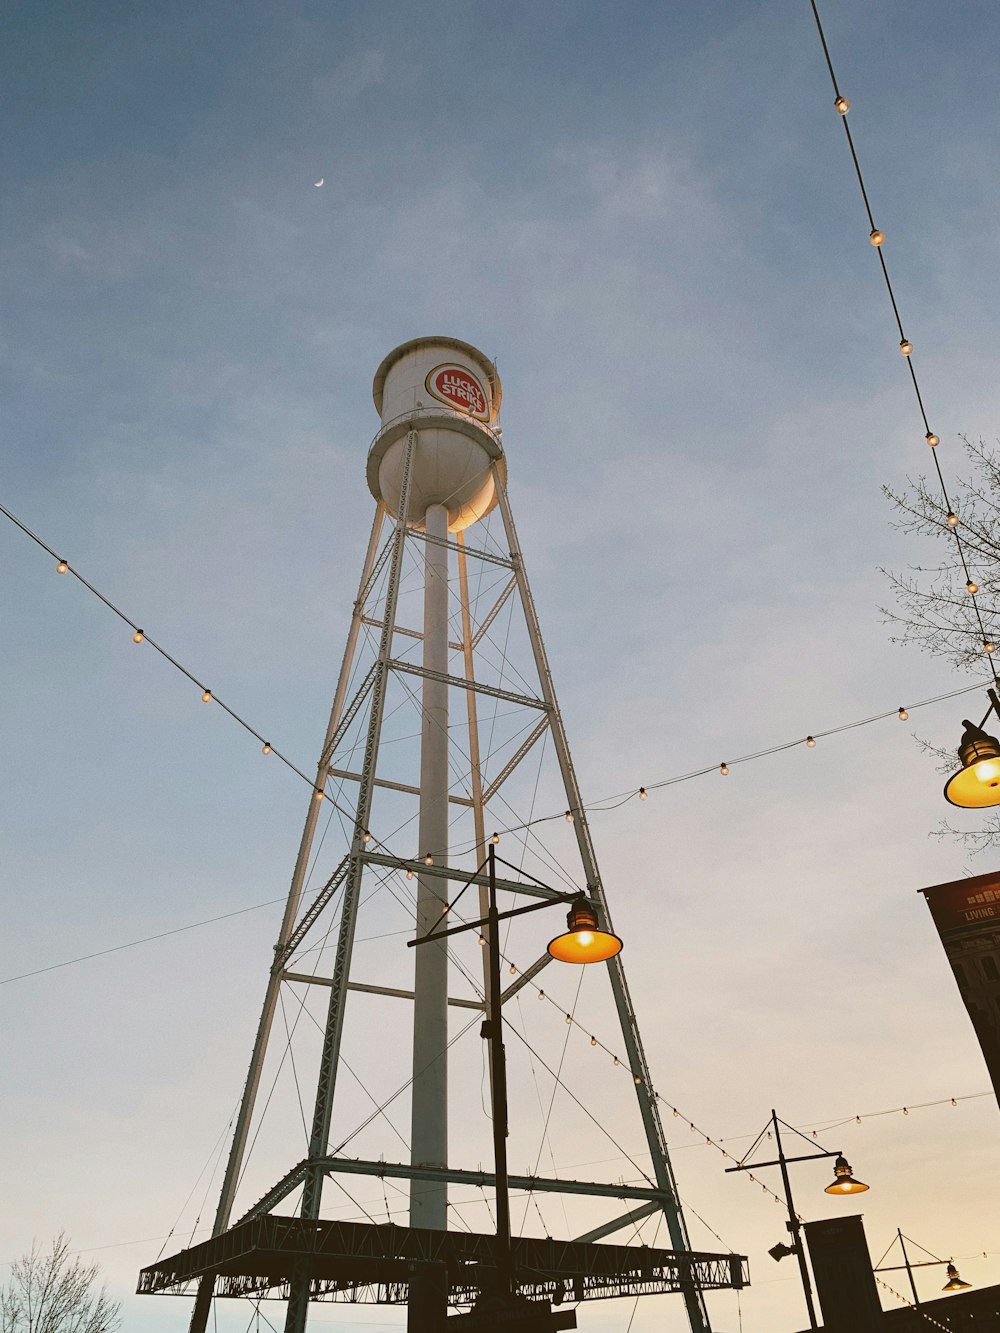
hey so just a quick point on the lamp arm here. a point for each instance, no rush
(500, 916)
(808, 1157)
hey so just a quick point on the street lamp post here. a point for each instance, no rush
(583, 942)
(843, 1183)
(954, 1282)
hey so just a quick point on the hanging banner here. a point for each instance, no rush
(967, 915)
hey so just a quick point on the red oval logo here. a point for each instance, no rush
(460, 389)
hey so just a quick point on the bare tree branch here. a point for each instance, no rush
(54, 1292)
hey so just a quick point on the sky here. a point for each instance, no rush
(647, 215)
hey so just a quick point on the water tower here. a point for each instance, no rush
(436, 469)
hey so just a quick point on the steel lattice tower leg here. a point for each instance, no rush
(435, 468)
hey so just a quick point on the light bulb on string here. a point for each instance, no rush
(61, 567)
(409, 874)
(724, 769)
(318, 794)
(643, 794)
(989, 646)
(841, 105)
(905, 346)
(593, 1041)
(138, 636)
(206, 698)
(902, 714)
(541, 995)
(876, 237)
(569, 1018)
(638, 1080)
(495, 839)
(428, 859)
(266, 748)
(932, 439)
(366, 837)
(568, 816)
(513, 969)
(951, 518)
(971, 588)
(811, 742)
(616, 1061)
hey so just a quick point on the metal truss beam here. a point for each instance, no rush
(463, 876)
(394, 786)
(537, 731)
(408, 633)
(392, 991)
(527, 975)
(360, 694)
(453, 1176)
(477, 554)
(460, 683)
(494, 611)
(616, 1223)
(284, 951)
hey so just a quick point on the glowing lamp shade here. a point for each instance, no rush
(843, 1179)
(955, 1282)
(583, 942)
(977, 782)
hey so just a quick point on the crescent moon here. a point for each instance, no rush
(319, 182)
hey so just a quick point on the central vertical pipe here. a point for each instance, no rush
(429, 1126)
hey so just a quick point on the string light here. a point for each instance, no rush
(495, 839)
(902, 714)
(569, 1018)
(971, 588)
(138, 636)
(366, 837)
(513, 969)
(593, 1041)
(811, 742)
(642, 792)
(428, 859)
(905, 346)
(318, 794)
(61, 567)
(568, 816)
(951, 519)
(206, 698)
(842, 105)
(876, 237)
(541, 995)
(409, 874)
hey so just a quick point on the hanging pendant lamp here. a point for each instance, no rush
(583, 942)
(977, 782)
(843, 1179)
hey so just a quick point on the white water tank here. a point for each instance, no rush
(449, 393)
